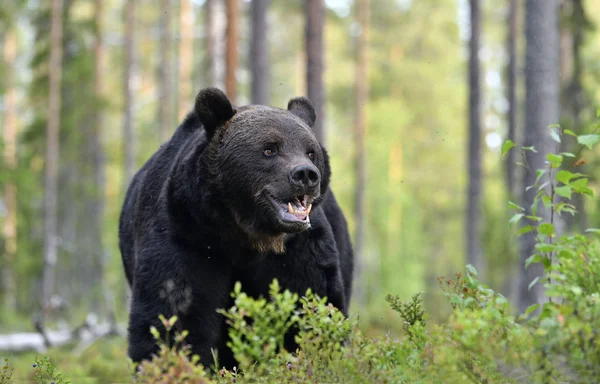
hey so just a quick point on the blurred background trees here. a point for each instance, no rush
(417, 96)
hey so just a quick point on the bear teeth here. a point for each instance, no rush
(300, 211)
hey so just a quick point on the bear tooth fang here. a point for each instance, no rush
(290, 209)
(308, 209)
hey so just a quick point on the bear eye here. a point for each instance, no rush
(311, 155)
(270, 152)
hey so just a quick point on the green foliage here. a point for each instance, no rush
(6, 375)
(45, 372)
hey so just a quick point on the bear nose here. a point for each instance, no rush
(307, 176)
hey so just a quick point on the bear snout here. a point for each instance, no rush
(306, 176)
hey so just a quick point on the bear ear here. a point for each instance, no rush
(213, 109)
(303, 108)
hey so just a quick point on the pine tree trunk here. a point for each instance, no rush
(231, 55)
(473, 218)
(361, 93)
(52, 155)
(186, 42)
(96, 213)
(511, 95)
(215, 36)
(128, 67)
(9, 139)
(314, 61)
(541, 110)
(164, 73)
(259, 53)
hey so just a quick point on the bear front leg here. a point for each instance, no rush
(192, 293)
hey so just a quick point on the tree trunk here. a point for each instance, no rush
(573, 95)
(52, 155)
(259, 53)
(128, 66)
(9, 138)
(314, 61)
(96, 214)
(215, 36)
(361, 93)
(541, 110)
(473, 219)
(511, 95)
(164, 66)
(209, 41)
(231, 56)
(186, 41)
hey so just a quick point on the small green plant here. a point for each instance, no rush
(7, 373)
(44, 372)
(174, 362)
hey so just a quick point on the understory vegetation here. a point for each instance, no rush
(557, 341)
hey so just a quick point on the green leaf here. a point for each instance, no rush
(546, 201)
(544, 248)
(524, 230)
(564, 191)
(598, 112)
(555, 136)
(593, 230)
(533, 282)
(588, 140)
(532, 149)
(546, 229)
(533, 218)
(554, 160)
(515, 206)
(532, 259)
(506, 146)
(570, 133)
(564, 176)
(531, 308)
(516, 218)
(567, 154)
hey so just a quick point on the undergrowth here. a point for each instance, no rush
(557, 341)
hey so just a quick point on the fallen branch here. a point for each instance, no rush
(34, 341)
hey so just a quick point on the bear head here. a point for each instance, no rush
(264, 164)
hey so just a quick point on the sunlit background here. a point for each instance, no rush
(415, 147)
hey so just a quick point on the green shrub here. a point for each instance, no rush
(481, 342)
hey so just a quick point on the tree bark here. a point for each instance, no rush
(473, 219)
(541, 110)
(231, 56)
(214, 22)
(314, 61)
(164, 73)
(511, 95)
(209, 41)
(361, 93)
(186, 41)
(259, 53)
(128, 66)
(52, 154)
(98, 158)
(9, 138)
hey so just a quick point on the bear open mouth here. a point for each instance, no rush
(294, 211)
